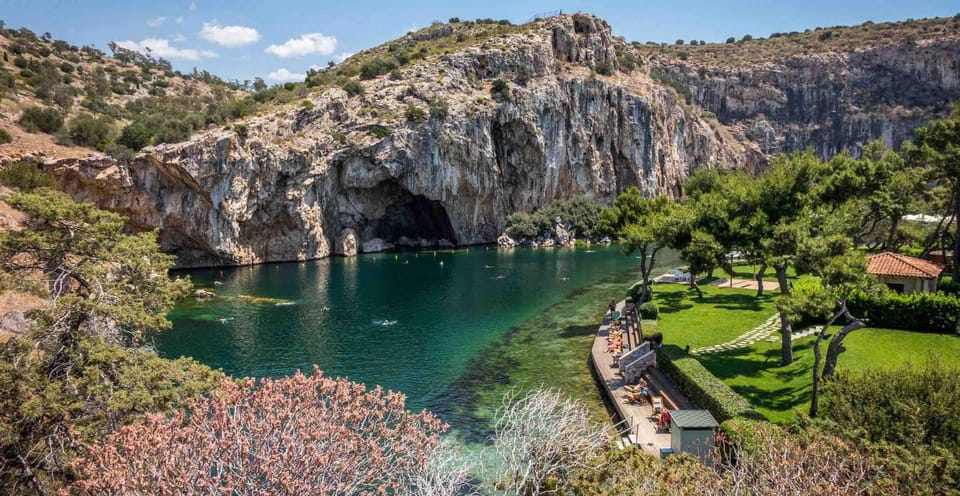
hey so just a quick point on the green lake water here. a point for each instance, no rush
(451, 330)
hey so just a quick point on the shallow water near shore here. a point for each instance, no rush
(451, 330)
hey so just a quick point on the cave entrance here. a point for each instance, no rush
(419, 218)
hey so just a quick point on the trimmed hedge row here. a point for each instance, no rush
(924, 312)
(704, 389)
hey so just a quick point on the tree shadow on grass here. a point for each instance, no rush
(736, 301)
(783, 399)
(672, 302)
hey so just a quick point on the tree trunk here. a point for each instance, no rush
(694, 286)
(833, 351)
(786, 330)
(645, 269)
(759, 277)
(815, 394)
(956, 238)
(893, 232)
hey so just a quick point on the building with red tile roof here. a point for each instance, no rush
(904, 274)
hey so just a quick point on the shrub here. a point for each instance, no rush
(500, 88)
(376, 66)
(120, 152)
(924, 312)
(47, 120)
(415, 113)
(26, 177)
(20, 62)
(87, 130)
(378, 131)
(439, 109)
(746, 37)
(896, 398)
(325, 436)
(704, 389)
(135, 136)
(352, 87)
(649, 310)
(731, 40)
(655, 338)
(5, 137)
(605, 68)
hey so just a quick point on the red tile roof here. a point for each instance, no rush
(895, 264)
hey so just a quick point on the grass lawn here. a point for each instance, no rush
(777, 391)
(722, 314)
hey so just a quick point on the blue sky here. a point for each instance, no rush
(277, 40)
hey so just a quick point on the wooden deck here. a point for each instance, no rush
(639, 418)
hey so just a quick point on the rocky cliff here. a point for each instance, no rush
(376, 170)
(440, 152)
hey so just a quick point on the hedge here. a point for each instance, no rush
(924, 312)
(704, 389)
(649, 311)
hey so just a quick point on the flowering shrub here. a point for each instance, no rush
(291, 436)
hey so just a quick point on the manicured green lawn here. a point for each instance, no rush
(777, 391)
(755, 371)
(722, 314)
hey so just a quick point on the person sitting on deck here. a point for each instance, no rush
(614, 346)
(616, 358)
(663, 422)
(642, 385)
(638, 397)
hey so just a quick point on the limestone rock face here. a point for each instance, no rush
(828, 101)
(353, 173)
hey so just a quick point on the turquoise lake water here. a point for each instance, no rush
(451, 330)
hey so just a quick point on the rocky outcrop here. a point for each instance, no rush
(299, 178)
(830, 101)
(362, 173)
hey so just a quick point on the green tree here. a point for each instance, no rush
(75, 376)
(644, 225)
(46, 120)
(135, 136)
(87, 130)
(936, 147)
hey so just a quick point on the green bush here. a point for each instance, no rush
(439, 109)
(135, 136)
(500, 88)
(908, 406)
(704, 389)
(5, 137)
(352, 87)
(87, 130)
(26, 177)
(415, 113)
(376, 66)
(649, 311)
(655, 338)
(47, 120)
(924, 312)
(379, 132)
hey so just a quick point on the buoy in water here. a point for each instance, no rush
(441, 263)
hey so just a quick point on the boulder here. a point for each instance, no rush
(348, 243)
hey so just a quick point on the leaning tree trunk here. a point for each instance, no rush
(956, 235)
(759, 278)
(833, 352)
(646, 268)
(786, 330)
(895, 223)
(694, 286)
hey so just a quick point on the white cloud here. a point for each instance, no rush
(160, 47)
(305, 45)
(283, 75)
(229, 36)
(153, 23)
(179, 20)
(192, 7)
(340, 57)
(177, 38)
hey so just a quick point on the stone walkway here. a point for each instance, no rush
(763, 330)
(768, 330)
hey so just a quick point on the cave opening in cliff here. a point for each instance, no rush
(418, 218)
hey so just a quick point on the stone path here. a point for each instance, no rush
(763, 330)
(768, 330)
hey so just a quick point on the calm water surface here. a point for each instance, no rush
(448, 329)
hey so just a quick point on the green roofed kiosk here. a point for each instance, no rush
(693, 432)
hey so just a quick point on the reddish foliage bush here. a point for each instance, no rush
(298, 435)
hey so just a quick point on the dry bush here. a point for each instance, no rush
(293, 436)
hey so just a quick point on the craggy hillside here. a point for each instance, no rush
(434, 138)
